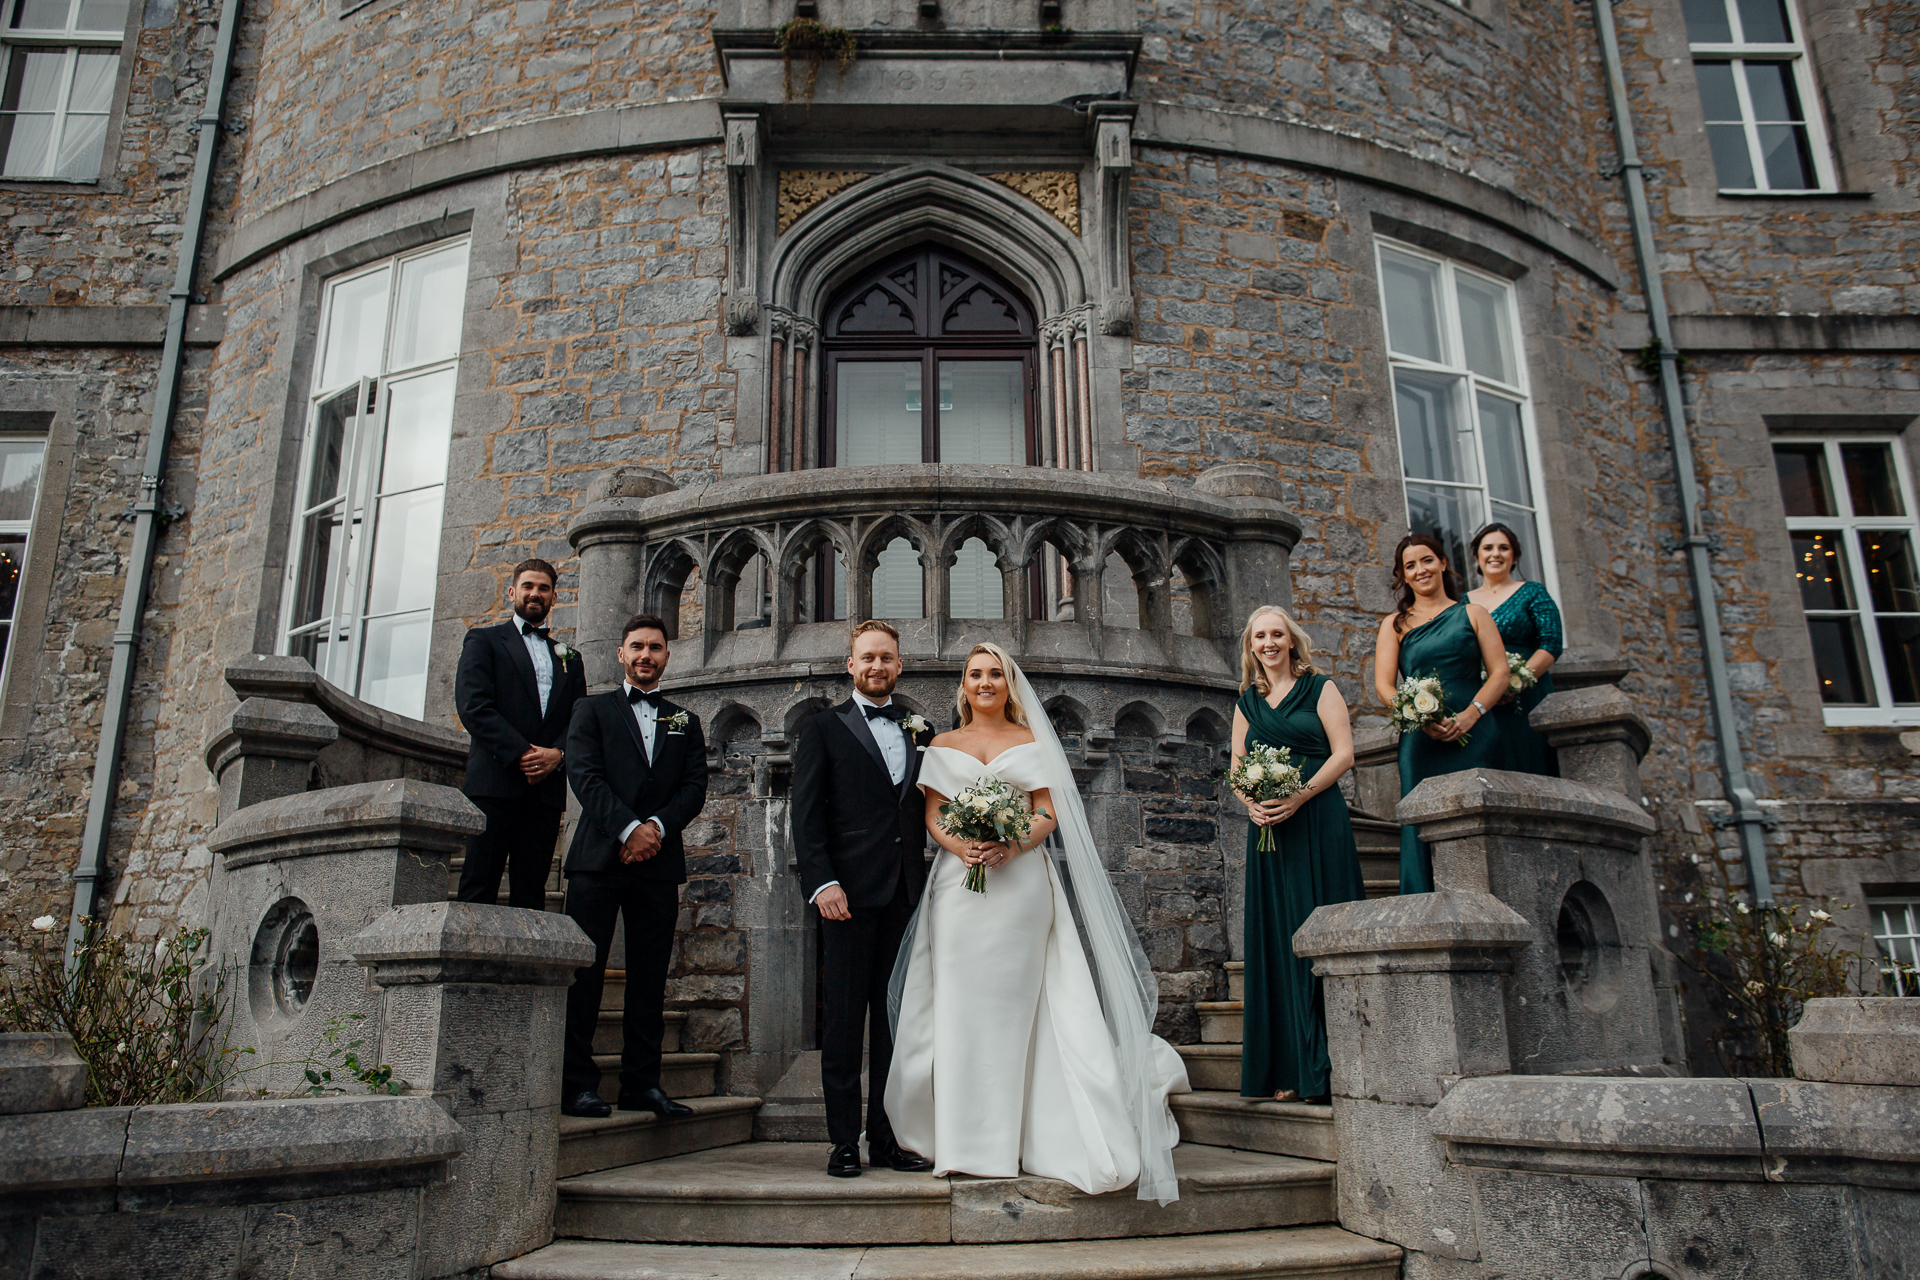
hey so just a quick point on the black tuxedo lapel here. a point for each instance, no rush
(523, 661)
(854, 713)
(624, 709)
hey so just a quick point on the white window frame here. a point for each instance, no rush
(1898, 940)
(1739, 52)
(362, 451)
(21, 529)
(1544, 560)
(1849, 526)
(74, 41)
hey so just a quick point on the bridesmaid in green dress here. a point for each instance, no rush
(1529, 623)
(1284, 703)
(1435, 632)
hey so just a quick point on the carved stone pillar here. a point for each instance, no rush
(1112, 178)
(267, 751)
(744, 182)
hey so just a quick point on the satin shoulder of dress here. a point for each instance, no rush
(948, 769)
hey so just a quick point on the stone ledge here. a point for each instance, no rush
(1865, 1135)
(137, 325)
(434, 942)
(1858, 1040)
(1444, 930)
(1494, 802)
(402, 813)
(39, 1071)
(1830, 331)
(287, 679)
(1603, 1127)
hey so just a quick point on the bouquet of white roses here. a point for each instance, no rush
(1266, 773)
(1418, 702)
(988, 810)
(1522, 676)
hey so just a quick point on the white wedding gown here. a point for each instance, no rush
(1002, 1060)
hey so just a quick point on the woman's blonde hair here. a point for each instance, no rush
(1251, 672)
(1016, 714)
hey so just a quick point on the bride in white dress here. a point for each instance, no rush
(1011, 1053)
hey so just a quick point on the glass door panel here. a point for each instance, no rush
(877, 412)
(983, 413)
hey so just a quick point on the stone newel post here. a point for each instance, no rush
(1598, 734)
(1416, 999)
(473, 1011)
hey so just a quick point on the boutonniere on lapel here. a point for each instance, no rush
(915, 725)
(562, 655)
(676, 723)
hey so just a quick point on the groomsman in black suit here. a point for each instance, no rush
(515, 689)
(859, 830)
(638, 763)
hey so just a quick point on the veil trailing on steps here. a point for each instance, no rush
(1129, 992)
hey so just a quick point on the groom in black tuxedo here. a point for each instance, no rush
(859, 831)
(515, 689)
(638, 763)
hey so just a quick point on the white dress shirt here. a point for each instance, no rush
(542, 654)
(892, 739)
(647, 716)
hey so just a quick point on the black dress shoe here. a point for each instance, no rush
(844, 1162)
(899, 1159)
(586, 1103)
(655, 1101)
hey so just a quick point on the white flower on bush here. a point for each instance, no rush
(44, 923)
(1755, 988)
(1425, 703)
(1741, 907)
(1821, 916)
(1776, 939)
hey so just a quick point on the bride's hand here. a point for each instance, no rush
(986, 855)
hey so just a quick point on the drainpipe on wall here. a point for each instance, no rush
(1748, 819)
(91, 868)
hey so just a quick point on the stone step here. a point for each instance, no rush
(682, 1075)
(1236, 979)
(779, 1193)
(1220, 1021)
(795, 1109)
(607, 1037)
(1212, 1066)
(1289, 1253)
(1225, 1119)
(634, 1137)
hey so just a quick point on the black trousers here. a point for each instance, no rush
(651, 908)
(857, 958)
(519, 839)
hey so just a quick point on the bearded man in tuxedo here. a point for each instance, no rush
(638, 764)
(515, 689)
(859, 832)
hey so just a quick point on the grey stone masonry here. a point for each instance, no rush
(1415, 999)
(1598, 735)
(267, 750)
(473, 1011)
(295, 878)
(373, 744)
(1858, 1040)
(1568, 858)
(39, 1071)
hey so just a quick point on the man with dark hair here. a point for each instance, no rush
(515, 689)
(638, 764)
(860, 836)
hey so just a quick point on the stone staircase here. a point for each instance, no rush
(1216, 1115)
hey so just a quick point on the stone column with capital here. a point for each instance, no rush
(473, 1012)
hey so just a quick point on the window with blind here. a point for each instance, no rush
(1850, 520)
(361, 582)
(928, 357)
(62, 60)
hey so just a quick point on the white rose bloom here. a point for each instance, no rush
(981, 804)
(44, 923)
(1255, 773)
(1425, 703)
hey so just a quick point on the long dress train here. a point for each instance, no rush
(1447, 647)
(1313, 863)
(1002, 1061)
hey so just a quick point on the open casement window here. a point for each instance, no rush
(360, 587)
(56, 90)
(1895, 924)
(928, 357)
(1756, 88)
(1850, 517)
(1461, 405)
(21, 460)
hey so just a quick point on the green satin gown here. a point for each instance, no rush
(1528, 620)
(1446, 647)
(1313, 862)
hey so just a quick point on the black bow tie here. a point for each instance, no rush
(892, 711)
(649, 696)
(528, 629)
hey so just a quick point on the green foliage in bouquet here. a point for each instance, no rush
(1266, 773)
(989, 810)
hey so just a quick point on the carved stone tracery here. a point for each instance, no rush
(802, 189)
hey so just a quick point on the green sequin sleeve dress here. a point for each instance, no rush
(1528, 620)
(1313, 862)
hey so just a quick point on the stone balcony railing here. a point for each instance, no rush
(1222, 543)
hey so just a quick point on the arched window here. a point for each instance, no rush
(927, 358)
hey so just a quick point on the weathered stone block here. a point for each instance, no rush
(372, 1236)
(1762, 1230)
(39, 1071)
(1867, 1135)
(1858, 1040)
(1395, 1182)
(62, 1150)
